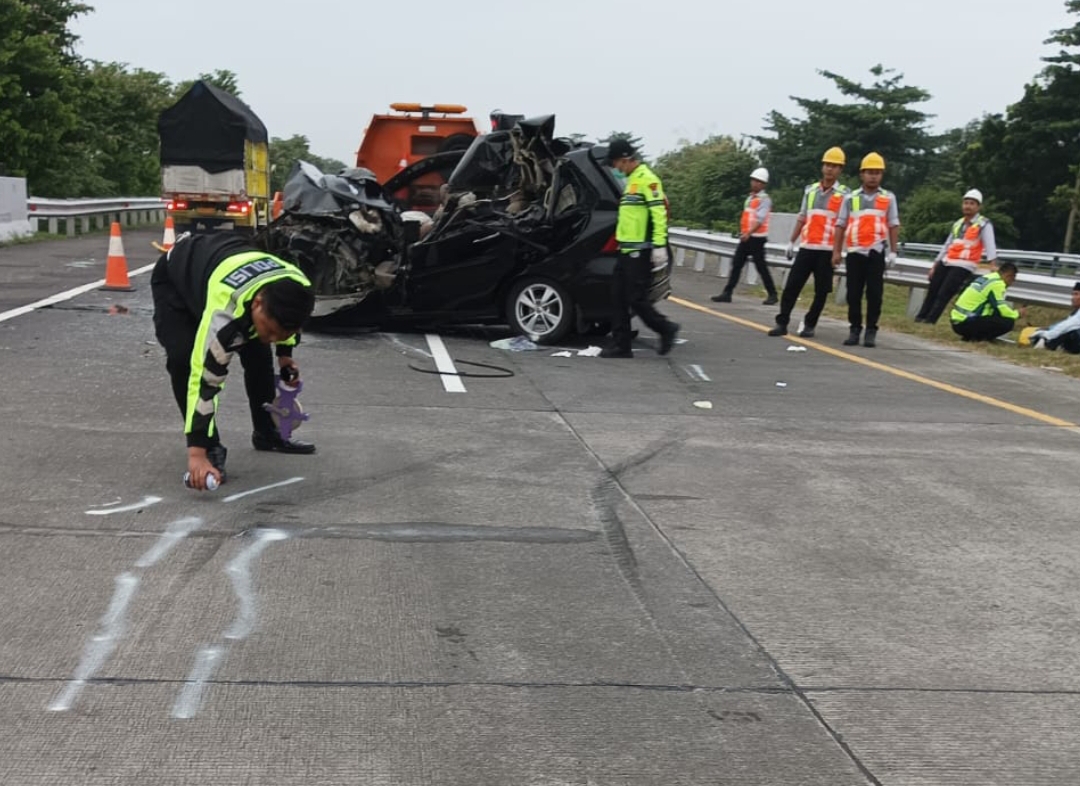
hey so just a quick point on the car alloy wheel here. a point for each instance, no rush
(541, 310)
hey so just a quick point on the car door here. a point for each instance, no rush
(463, 268)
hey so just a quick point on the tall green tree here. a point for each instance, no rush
(221, 78)
(38, 85)
(883, 117)
(1027, 158)
(114, 149)
(706, 183)
(284, 153)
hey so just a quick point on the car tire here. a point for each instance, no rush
(541, 309)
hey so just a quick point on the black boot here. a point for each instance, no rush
(853, 337)
(723, 297)
(870, 339)
(273, 441)
(770, 300)
(667, 338)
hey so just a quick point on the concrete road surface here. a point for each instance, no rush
(855, 567)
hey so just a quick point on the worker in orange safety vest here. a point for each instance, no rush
(753, 233)
(970, 239)
(815, 229)
(869, 224)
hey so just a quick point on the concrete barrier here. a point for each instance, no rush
(13, 218)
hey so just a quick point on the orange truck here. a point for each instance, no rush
(412, 133)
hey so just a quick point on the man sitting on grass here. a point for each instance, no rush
(1064, 334)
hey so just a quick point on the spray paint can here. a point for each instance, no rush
(211, 481)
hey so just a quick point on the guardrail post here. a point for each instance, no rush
(724, 268)
(53, 223)
(680, 256)
(916, 298)
(69, 226)
(752, 277)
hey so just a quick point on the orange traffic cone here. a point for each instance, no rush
(168, 240)
(116, 273)
(277, 207)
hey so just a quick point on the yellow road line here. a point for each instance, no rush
(898, 372)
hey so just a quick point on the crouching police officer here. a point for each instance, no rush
(216, 296)
(642, 237)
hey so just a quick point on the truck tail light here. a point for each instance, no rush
(610, 247)
(238, 207)
(177, 204)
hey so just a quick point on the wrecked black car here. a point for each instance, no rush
(524, 236)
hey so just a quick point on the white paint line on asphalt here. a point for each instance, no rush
(697, 372)
(101, 644)
(62, 296)
(241, 580)
(445, 365)
(190, 698)
(177, 531)
(145, 502)
(261, 489)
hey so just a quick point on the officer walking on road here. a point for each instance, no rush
(971, 237)
(753, 233)
(216, 296)
(872, 223)
(642, 237)
(815, 227)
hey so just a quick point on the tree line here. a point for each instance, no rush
(75, 127)
(78, 127)
(1025, 160)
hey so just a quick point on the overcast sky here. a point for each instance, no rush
(667, 71)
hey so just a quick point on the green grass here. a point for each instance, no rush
(894, 319)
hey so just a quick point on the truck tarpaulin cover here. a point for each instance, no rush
(207, 127)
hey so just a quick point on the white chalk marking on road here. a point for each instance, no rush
(445, 365)
(396, 340)
(243, 494)
(190, 698)
(62, 296)
(145, 502)
(241, 580)
(177, 531)
(101, 644)
(207, 659)
(697, 372)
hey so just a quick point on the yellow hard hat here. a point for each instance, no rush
(873, 161)
(1024, 339)
(834, 155)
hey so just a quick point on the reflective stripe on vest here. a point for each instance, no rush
(867, 226)
(975, 300)
(969, 246)
(819, 231)
(749, 214)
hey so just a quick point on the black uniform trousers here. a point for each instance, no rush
(865, 271)
(755, 249)
(176, 328)
(983, 328)
(808, 262)
(630, 293)
(946, 282)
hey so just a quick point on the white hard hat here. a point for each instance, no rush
(975, 194)
(761, 173)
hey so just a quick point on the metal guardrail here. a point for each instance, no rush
(82, 214)
(1029, 287)
(1055, 263)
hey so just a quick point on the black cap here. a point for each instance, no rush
(619, 148)
(1076, 287)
